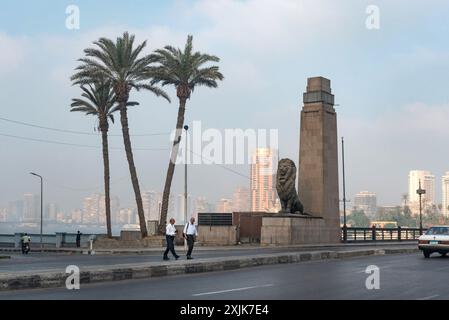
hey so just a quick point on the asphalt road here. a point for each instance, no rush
(401, 277)
(59, 261)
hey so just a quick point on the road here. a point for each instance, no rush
(59, 261)
(401, 277)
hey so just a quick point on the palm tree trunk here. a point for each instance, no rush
(107, 198)
(132, 168)
(171, 165)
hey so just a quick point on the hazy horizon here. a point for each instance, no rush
(390, 86)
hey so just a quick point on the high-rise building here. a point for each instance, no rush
(31, 207)
(15, 211)
(224, 206)
(152, 203)
(241, 200)
(367, 202)
(51, 211)
(263, 193)
(445, 189)
(91, 209)
(427, 183)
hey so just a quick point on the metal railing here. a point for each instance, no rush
(381, 234)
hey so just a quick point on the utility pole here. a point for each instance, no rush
(345, 231)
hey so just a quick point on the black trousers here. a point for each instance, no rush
(170, 246)
(190, 243)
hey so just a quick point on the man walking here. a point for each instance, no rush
(170, 233)
(78, 239)
(190, 233)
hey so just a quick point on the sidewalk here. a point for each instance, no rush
(212, 248)
(102, 273)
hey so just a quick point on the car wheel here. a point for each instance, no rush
(443, 254)
(426, 253)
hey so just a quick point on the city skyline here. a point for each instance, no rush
(377, 147)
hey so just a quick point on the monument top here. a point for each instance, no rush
(318, 84)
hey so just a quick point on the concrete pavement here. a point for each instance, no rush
(406, 276)
(55, 277)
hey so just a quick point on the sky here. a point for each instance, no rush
(390, 85)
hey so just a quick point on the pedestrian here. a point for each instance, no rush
(170, 234)
(78, 239)
(25, 240)
(190, 234)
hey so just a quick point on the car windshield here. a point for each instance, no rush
(438, 231)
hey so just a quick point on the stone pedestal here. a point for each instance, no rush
(318, 156)
(292, 229)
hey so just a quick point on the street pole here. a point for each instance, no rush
(186, 128)
(345, 233)
(420, 192)
(42, 205)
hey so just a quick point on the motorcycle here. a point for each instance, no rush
(26, 248)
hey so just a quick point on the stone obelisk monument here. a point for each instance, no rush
(318, 157)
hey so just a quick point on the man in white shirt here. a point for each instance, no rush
(190, 233)
(170, 233)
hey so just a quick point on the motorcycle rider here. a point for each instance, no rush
(26, 240)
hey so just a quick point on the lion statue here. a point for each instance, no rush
(285, 186)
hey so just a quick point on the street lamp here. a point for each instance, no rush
(186, 128)
(42, 204)
(345, 231)
(420, 192)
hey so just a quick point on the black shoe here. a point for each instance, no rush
(189, 258)
(177, 257)
(166, 258)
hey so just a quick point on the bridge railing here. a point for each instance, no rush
(356, 234)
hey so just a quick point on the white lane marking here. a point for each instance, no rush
(231, 290)
(429, 297)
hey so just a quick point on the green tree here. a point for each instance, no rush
(357, 218)
(185, 70)
(98, 99)
(120, 63)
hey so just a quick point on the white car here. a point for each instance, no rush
(436, 239)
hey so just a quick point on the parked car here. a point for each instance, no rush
(436, 239)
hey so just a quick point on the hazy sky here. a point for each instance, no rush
(391, 86)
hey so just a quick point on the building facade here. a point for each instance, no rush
(445, 189)
(367, 202)
(427, 180)
(263, 192)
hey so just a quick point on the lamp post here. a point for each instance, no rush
(186, 128)
(345, 231)
(42, 204)
(420, 192)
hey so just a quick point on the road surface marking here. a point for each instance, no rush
(429, 297)
(231, 290)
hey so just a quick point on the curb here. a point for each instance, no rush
(150, 270)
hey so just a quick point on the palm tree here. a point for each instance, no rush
(119, 63)
(185, 70)
(99, 100)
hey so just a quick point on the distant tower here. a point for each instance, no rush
(318, 156)
(263, 193)
(445, 189)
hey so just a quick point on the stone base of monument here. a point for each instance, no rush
(292, 229)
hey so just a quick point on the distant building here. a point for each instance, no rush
(201, 205)
(445, 189)
(152, 203)
(224, 206)
(241, 200)
(367, 202)
(427, 183)
(263, 193)
(31, 207)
